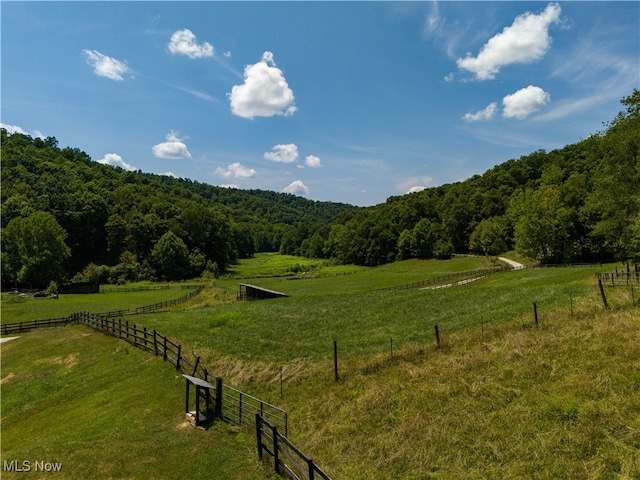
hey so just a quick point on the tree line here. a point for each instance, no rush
(580, 203)
(66, 217)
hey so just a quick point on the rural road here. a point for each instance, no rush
(515, 265)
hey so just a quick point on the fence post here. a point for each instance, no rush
(155, 342)
(535, 312)
(437, 335)
(218, 406)
(195, 367)
(165, 349)
(259, 434)
(335, 359)
(604, 297)
(240, 410)
(311, 469)
(276, 459)
(178, 358)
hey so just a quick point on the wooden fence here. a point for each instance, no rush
(287, 459)
(22, 327)
(235, 407)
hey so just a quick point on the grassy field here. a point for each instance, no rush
(501, 398)
(103, 409)
(19, 309)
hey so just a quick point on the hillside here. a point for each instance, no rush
(111, 216)
(580, 203)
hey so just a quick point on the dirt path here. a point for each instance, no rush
(6, 339)
(515, 265)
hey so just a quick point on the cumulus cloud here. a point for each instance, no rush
(296, 188)
(526, 40)
(312, 162)
(173, 149)
(235, 170)
(485, 114)
(11, 129)
(264, 93)
(116, 160)
(524, 102)
(414, 184)
(283, 153)
(183, 42)
(105, 66)
(169, 174)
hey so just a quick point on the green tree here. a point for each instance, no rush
(489, 237)
(36, 248)
(171, 257)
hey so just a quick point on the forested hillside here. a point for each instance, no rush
(66, 217)
(576, 204)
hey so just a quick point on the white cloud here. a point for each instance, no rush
(449, 78)
(296, 188)
(173, 148)
(283, 153)
(236, 170)
(104, 66)
(526, 40)
(169, 174)
(183, 42)
(312, 162)
(116, 160)
(11, 129)
(229, 185)
(524, 102)
(485, 114)
(414, 184)
(227, 54)
(264, 93)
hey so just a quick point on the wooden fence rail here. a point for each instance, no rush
(287, 459)
(23, 327)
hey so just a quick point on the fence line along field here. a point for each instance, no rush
(503, 396)
(18, 309)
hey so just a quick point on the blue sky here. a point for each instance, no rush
(349, 102)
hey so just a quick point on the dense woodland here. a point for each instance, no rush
(68, 218)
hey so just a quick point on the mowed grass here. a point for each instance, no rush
(103, 409)
(18, 309)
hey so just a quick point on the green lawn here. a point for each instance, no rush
(18, 309)
(104, 409)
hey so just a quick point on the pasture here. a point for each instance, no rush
(502, 397)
